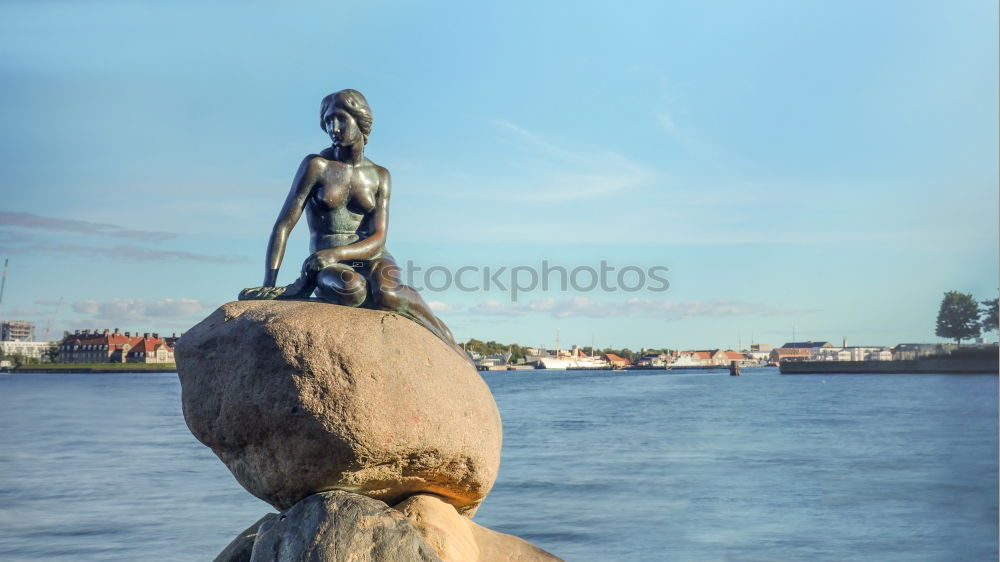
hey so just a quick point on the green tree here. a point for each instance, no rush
(51, 354)
(989, 311)
(958, 317)
(490, 347)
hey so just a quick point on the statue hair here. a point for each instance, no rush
(353, 102)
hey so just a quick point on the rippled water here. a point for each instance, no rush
(596, 466)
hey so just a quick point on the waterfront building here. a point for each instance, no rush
(17, 330)
(734, 356)
(653, 360)
(807, 344)
(760, 351)
(31, 349)
(782, 353)
(702, 358)
(114, 347)
(150, 350)
(492, 360)
(813, 347)
(853, 353)
(615, 360)
(919, 350)
(712, 357)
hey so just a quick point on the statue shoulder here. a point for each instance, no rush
(315, 160)
(314, 164)
(381, 171)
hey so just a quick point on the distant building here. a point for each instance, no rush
(711, 357)
(150, 350)
(783, 353)
(734, 356)
(853, 353)
(653, 360)
(616, 360)
(31, 349)
(114, 347)
(807, 345)
(688, 359)
(172, 339)
(17, 330)
(918, 350)
(760, 351)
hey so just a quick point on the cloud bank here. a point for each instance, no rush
(129, 310)
(37, 222)
(14, 243)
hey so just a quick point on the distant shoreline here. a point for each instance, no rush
(89, 368)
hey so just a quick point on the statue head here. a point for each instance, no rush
(354, 104)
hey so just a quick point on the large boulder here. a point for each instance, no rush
(299, 397)
(340, 527)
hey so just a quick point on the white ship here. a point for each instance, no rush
(686, 360)
(572, 359)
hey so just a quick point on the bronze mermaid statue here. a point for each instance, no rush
(345, 197)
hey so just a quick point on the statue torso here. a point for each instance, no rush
(341, 203)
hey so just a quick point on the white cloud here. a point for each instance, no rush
(37, 222)
(20, 311)
(86, 307)
(119, 252)
(439, 306)
(120, 310)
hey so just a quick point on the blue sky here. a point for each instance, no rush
(827, 167)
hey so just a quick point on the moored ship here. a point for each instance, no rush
(575, 358)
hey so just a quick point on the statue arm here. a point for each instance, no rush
(305, 179)
(369, 247)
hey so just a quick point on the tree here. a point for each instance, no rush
(989, 311)
(958, 317)
(51, 353)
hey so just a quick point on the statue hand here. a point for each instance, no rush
(322, 259)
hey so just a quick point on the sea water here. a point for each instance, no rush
(596, 466)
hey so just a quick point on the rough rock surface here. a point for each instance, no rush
(341, 527)
(242, 546)
(299, 397)
(457, 539)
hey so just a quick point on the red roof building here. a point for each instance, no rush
(710, 356)
(616, 360)
(114, 347)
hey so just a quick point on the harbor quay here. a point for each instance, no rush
(792, 357)
(112, 350)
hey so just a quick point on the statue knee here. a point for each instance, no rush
(388, 299)
(341, 286)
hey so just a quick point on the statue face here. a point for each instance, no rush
(342, 128)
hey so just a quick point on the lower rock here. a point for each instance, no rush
(338, 526)
(457, 539)
(242, 546)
